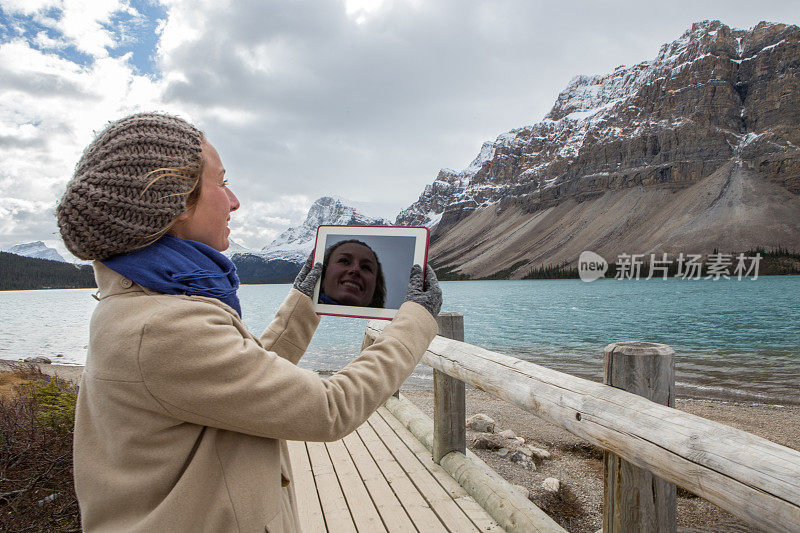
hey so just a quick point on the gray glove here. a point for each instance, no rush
(307, 278)
(429, 296)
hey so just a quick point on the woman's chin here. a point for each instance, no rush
(221, 244)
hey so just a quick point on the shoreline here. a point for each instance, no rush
(70, 373)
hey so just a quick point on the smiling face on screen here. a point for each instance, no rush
(350, 274)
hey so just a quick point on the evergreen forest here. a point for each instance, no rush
(18, 273)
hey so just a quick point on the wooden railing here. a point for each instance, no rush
(751, 477)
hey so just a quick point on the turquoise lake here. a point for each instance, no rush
(734, 339)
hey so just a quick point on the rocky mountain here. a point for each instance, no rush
(37, 250)
(448, 188)
(694, 150)
(296, 242)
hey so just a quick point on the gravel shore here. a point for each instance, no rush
(579, 466)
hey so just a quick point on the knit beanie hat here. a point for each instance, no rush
(108, 208)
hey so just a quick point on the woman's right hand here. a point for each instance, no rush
(307, 278)
(429, 294)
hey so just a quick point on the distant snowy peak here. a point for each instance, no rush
(296, 243)
(330, 210)
(437, 196)
(236, 248)
(37, 250)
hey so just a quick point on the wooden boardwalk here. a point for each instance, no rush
(380, 478)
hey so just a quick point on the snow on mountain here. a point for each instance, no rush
(654, 103)
(438, 195)
(694, 150)
(37, 250)
(296, 242)
(236, 248)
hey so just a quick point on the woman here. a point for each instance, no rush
(182, 412)
(352, 275)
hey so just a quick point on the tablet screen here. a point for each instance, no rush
(366, 268)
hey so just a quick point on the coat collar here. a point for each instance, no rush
(109, 283)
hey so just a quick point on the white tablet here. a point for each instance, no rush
(366, 268)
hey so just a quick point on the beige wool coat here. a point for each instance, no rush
(182, 413)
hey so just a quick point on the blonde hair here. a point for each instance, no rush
(191, 173)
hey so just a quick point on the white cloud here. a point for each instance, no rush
(257, 223)
(183, 25)
(362, 99)
(49, 109)
(84, 23)
(28, 7)
(24, 221)
(42, 40)
(360, 10)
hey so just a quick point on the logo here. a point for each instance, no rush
(591, 266)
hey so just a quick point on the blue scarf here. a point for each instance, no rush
(179, 266)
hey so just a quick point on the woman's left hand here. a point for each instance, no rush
(307, 278)
(427, 294)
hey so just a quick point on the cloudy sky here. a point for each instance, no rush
(361, 99)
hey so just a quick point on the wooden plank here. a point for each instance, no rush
(753, 478)
(448, 511)
(422, 516)
(507, 506)
(334, 506)
(308, 507)
(476, 514)
(471, 508)
(362, 509)
(451, 325)
(424, 456)
(384, 498)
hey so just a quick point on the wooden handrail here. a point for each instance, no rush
(751, 477)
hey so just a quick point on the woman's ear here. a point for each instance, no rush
(179, 223)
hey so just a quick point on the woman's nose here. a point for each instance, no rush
(233, 200)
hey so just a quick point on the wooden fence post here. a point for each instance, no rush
(635, 499)
(449, 405)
